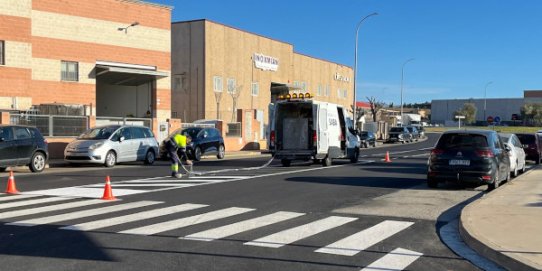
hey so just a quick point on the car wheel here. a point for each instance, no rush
(355, 157)
(432, 183)
(37, 163)
(366, 145)
(110, 159)
(285, 162)
(3, 169)
(515, 172)
(374, 144)
(150, 157)
(537, 160)
(523, 168)
(326, 162)
(221, 152)
(495, 184)
(197, 153)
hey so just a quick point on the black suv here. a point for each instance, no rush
(367, 139)
(22, 146)
(414, 132)
(400, 134)
(203, 141)
(474, 156)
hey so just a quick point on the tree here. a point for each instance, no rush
(532, 114)
(360, 112)
(375, 106)
(469, 111)
(235, 92)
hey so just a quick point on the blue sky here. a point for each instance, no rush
(458, 45)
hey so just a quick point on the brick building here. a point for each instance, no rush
(111, 57)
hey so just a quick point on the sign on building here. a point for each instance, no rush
(266, 63)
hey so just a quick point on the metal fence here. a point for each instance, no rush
(234, 129)
(202, 125)
(102, 121)
(52, 125)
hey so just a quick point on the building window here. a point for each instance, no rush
(319, 93)
(174, 114)
(231, 85)
(179, 83)
(217, 84)
(326, 92)
(303, 86)
(342, 93)
(255, 89)
(2, 53)
(69, 71)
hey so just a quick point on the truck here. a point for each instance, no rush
(304, 129)
(411, 120)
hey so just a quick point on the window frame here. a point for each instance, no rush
(2, 52)
(255, 86)
(233, 85)
(65, 75)
(215, 84)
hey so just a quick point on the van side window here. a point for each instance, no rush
(22, 133)
(148, 133)
(125, 132)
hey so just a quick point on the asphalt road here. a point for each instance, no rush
(370, 214)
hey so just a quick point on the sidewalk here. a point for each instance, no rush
(506, 224)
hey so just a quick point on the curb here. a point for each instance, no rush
(485, 247)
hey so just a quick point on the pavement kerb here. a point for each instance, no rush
(488, 247)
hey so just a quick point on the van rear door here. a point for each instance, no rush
(323, 135)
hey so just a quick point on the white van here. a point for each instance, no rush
(303, 129)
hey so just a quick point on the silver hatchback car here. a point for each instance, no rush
(113, 144)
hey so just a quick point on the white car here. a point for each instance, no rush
(517, 155)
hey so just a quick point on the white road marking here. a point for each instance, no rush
(398, 259)
(31, 202)
(16, 197)
(285, 237)
(187, 221)
(362, 240)
(172, 181)
(56, 207)
(98, 224)
(83, 192)
(145, 185)
(228, 230)
(218, 177)
(82, 214)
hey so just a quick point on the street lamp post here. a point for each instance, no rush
(402, 76)
(354, 120)
(485, 98)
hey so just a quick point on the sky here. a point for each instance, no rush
(458, 46)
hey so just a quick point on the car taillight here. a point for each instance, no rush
(314, 138)
(341, 136)
(437, 152)
(485, 153)
(273, 136)
(486, 178)
(45, 141)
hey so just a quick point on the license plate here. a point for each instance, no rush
(459, 162)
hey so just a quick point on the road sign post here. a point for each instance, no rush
(459, 118)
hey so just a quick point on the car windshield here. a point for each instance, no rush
(191, 132)
(364, 134)
(410, 129)
(396, 129)
(465, 141)
(99, 133)
(526, 139)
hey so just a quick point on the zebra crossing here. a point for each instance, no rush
(92, 215)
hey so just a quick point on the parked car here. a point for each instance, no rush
(421, 131)
(469, 157)
(414, 132)
(22, 146)
(203, 141)
(532, 145)
(367, 139)
(399, 134)
(517, 155)
(113, 144)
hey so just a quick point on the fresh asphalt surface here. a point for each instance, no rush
(364, 195)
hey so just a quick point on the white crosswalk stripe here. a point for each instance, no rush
(16, 197)
(362, 240)
(292, 235)
(242, 226)
(31, 202)
(82, 214)
(98, 224)
(398, 259)
(187, 221)
(63, 206)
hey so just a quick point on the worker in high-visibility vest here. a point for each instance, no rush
(176, 144)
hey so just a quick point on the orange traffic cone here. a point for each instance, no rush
(387, 158)
(11, 189)
(108, 192)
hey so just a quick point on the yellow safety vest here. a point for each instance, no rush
(180, 140)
